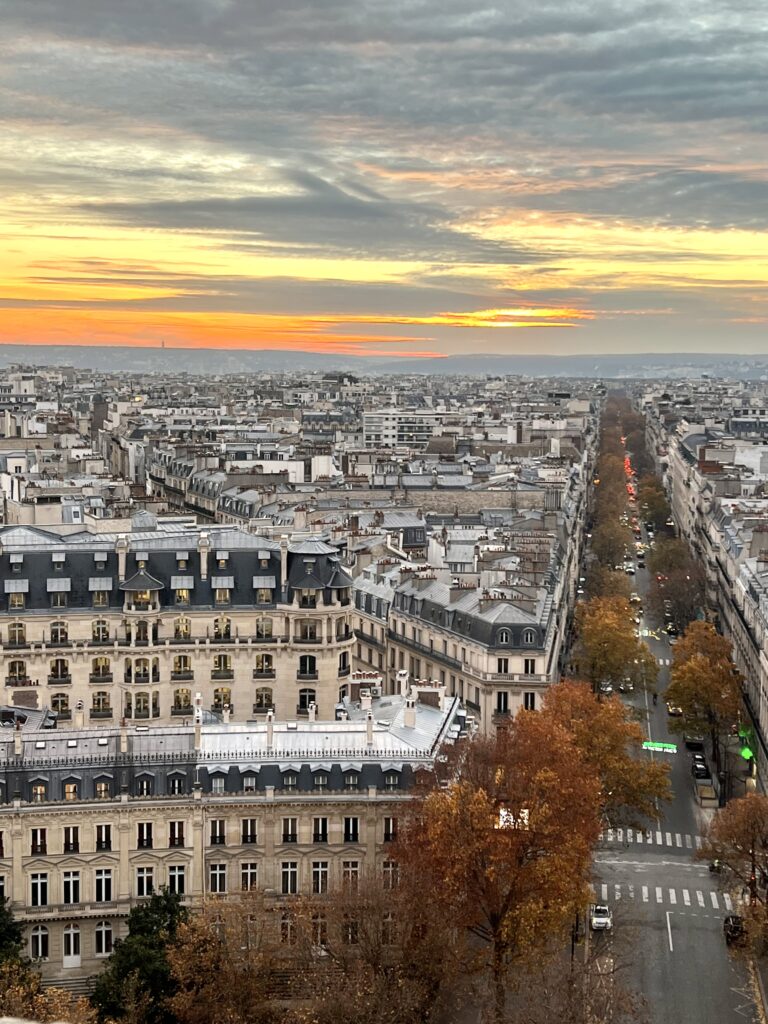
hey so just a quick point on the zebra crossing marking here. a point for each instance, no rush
(604, 892)
(678, 839)
(658, 894)
(672, 897)
(713, 897)
(688, 842)
(669, 838)
(617, 892)
(728, 902)
(658, 838)
(626, 836)
(686, 898)
(698, 842)
(700, 897)
(645, 894)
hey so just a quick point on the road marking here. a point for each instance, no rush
(672, 897)
(610, 835)
(604, 892)
(669, 932)
(688, 842)
(686, 898)
(658, 838)
(669, 838)
(658, 894)
(727, 902)
(700, 897)
(631, 892)
(678, 839)
(620, 835)
(713, 897)
(698, 842)
(617, 892)
(645, 894)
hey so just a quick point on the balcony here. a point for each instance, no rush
(430, 652)
(100, 677)
(219, 708)
(262, 709)
(140, 713)
(182, 710)
(182, 675)
(101, 713)
(60, 680)
(175, 841)
(218, 840)
(263, 673)
(144, 843)
(343, 637)
(64, 716)
(38, 849)
(344, 671)
(308, 639)
(366, 638)
(103, 844)
(249, 838)
(319, 837)
(223, 673)
(71, 847)
(306, 677)
(308, 602)
(20, 681)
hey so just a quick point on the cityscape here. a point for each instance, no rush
(383, 512)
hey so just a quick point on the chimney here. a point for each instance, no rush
(409, 717)
(121, 546)
(79, 716)
(123, 737)
(203, 547)
(270, 728)
(283, 563)
(312, 711)
(17, 745)
(226, 711)
(198, 721)
(369, 729)
(366, 700)
(402, 682)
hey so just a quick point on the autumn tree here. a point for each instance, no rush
(22, 995)
(505, 849)
(10, 934)
(704, 683)
(681, 582)
(609, 541)
(610, 741)
(607, 648)
(603, 581)
(137, 976)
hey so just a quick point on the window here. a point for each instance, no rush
(100, 630)
(15, 602)
(290, 830)
(388, 935)
(103, 837)
(175, 833)
(17, 633)
(71, 839)
(290, 781)
(182, 595)
(264, 629)
(263, 595)
(60, 704)
(70, 791)
(222, 627)
(71, 887)
(222, 697)
(263, 665)
(100, 598)
(289, 877)
(144, 835)
(39, 792)
(319, 929)
(249, 875)
(59, 633)
(288, 928)
(502, 666)
(144, 786)
(145, 883)
(182, 700)
(308, 665)
(320, 781)
(38, 943)
(529, 666)
(39, 889)
(319, 830)
(529, 637)
(350, 874)
(502, 702)
(58, 599)
(103, 935)
(351, 782)
(182, 628)
(250, 783)
(502, 637)
(306, 697)
(350, 932)
(217, 783)
(391, 781)
(103, 789)
(249, 833)
(319, 877)
(351, 830)
(529, 701)
(221, 597)
(103, 885)
(39, 841)
(101, 703)
(390, 830)
(390, 874)
(71, 946)
(217, 878)
(17, 671)
(176, 785)
(176, 879)
(218, 832)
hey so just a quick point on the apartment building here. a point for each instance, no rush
(133, 625)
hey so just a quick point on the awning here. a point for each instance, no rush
(141, 581)
(264, 582)
(16, 558)
(182, 556)
(223, 582)
(142, 556)
(100, 583)
(59, 586)
(182, 582)
(222, 556)
(17, 586)
(264, 555)
(100, 556)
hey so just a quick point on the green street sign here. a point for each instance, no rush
(746, 753)
(663, 748)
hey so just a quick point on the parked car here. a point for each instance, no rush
(606, 688)
(673, 710)
(693, 741)
(733, 929)
(626, 686)
(600, 918)
(700, 771)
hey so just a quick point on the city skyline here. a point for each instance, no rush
(402, 181)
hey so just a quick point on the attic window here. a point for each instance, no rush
(309, 564)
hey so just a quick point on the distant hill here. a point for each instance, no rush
(231, 361)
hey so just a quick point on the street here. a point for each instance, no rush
(668, 909)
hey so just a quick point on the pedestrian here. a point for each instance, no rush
(655, 699)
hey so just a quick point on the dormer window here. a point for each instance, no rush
(503, 636)
(17, 562)
(529, 637)
(58, 558)
(222, 557)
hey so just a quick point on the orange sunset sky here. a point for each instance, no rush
(401, 179)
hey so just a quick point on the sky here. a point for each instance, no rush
(394, 178)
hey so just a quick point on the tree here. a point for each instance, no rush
(138, 974)
(611, 744)
(22, 995)
(603, 581)
(705, 684)
(505, 850)
(606, 647)
(11, 938)
(609, 541)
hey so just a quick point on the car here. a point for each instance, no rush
(626, 686)
(699, 757)
(641, 563)
(700, 771)
(674, 711)
(600, 918)
(733, 929)
(693, 741)
(672, 629)
(634, 598)
(605, 687)
(672, 641)
(629, 570)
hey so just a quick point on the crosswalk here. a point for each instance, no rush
(664, 661)
(651, 837)
(697, 899)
